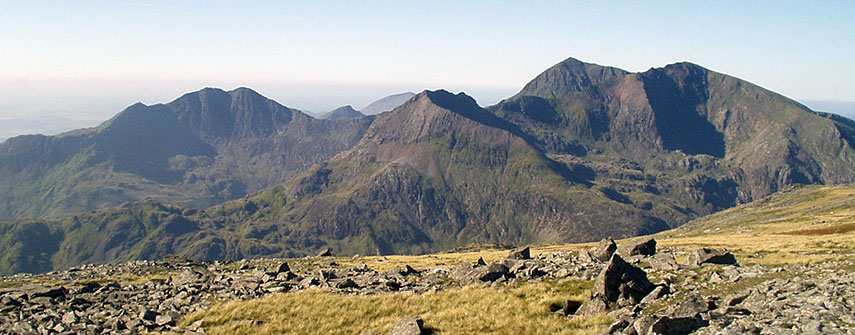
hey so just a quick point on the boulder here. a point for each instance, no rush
(325, 253)
(644, 247)
(684, 318)
(407, 326)
(664, 261)
(346, 283)
(148, 315)
(603, 251)
(492, 272)
(657, 293)
(407, 270)
(619, 284)
(710, 256)
(570, 307)
(524, 253)
(283, 268)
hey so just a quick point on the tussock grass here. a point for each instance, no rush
(523, 309)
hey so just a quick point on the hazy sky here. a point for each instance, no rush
(90, 59)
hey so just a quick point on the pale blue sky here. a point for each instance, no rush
(90, 59)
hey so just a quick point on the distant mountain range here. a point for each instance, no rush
(204, 148)
(581, 152)
(843, 108)
(42, 124)
(388, 103)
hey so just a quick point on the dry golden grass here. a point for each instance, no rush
(525, 309)
(445, 259)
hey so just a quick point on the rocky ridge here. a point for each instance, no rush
(646, 292)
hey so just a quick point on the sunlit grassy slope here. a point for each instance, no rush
(798, 225)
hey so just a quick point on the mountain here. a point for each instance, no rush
(582, 152)
(702, 139)
(344, 112)
(437, 172)
(202, 149)
(387, 103)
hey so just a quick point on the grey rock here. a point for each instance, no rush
(657, 293)
(492, 272)
(283, 268)
(325, 253)
(522, 253)
(408, 326)
(166, 319)
(645, 247)
(620, 283)
(69, 318)
(710, 256)
(604, 250)
(147, 315)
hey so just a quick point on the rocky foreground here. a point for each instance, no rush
(645, 290)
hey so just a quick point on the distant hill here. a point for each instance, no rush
(47, 125)
(580, 153)
(844, 108)
(343, 112)
(202, 149)
(387, 103)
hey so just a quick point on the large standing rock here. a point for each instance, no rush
(603, 251)
(645, 247)
(619, 284)
(524, 253)
(710, 256)
(407, 326)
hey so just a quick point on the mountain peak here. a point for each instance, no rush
(343, 112)
(437, 113)
(213, 112)
(387, 103)
(568, 76)
(448, 100)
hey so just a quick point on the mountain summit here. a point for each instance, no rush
(343, 112)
